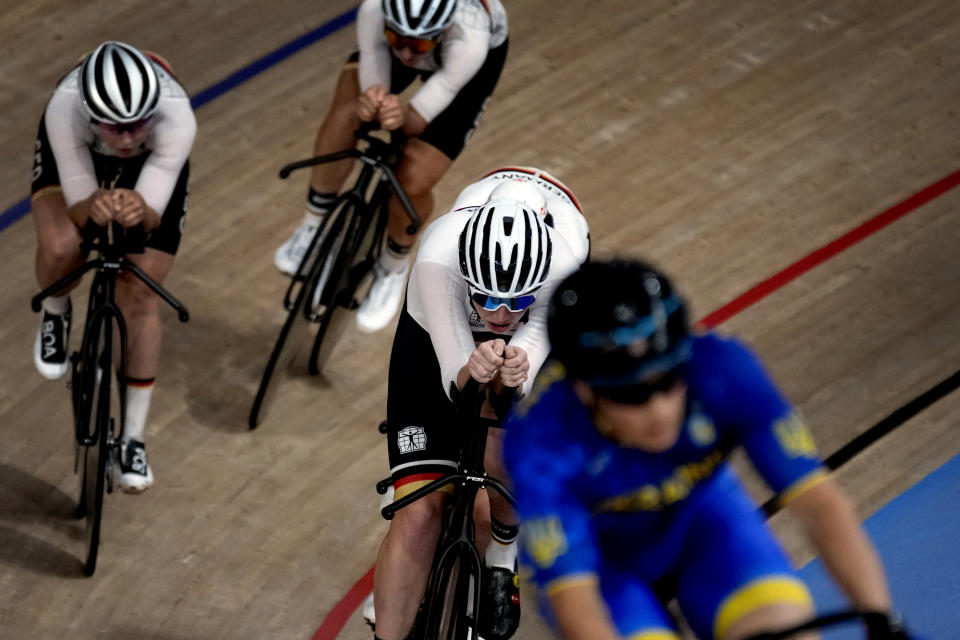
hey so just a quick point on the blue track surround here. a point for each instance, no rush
(917, 535)
(21, 209)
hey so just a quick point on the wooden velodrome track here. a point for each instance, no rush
(724, 141)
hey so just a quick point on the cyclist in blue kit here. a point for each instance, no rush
(619, 461)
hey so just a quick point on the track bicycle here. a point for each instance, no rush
(452, 603)
(98, 414)
(338, 264)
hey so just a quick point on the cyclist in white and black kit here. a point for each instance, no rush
(122, 120)
(475, 307)
(458, 48)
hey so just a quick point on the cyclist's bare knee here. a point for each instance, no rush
(58, 237)
(422, 167)
(420, 520)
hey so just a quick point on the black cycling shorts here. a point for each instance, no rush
(164, 238)
(453, 126)
(424, 429)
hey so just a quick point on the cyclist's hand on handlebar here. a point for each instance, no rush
(101, 207)
(486, 359)
(391, 114)
(368, 102)
(892, 629)
(129, 207)
(516, 367)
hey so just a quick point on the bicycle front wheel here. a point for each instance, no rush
(284, 352)
(345, 275)
(95, 365)
(450, 614)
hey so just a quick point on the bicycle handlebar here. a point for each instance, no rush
(381, 154)
(113, 242)
(880, 625)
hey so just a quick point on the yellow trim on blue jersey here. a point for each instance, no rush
(757, 594)
(549, 374)
(812, 479)
(655, 634)
(677, 486)
(573, 580)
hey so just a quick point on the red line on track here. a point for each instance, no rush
(824, 253)
(341, 612)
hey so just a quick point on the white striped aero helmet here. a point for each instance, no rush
(505, 253)
(423, 19)
(119, 84)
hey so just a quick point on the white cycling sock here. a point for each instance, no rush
(394, 257)
(56, 305)
(502, 550)
(138, 404)
(312, 219)
(319, 203)
(501, 554)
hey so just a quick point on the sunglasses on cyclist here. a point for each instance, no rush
(128, 127)
(491, 303)
(641, 392)
(416, 45)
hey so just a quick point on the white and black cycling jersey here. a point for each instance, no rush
(438, 299)
(478, 26)
(72, 135)
(563, 211)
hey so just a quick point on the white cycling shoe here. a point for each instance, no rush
(135, 475)
(381, 304)
(290, 254)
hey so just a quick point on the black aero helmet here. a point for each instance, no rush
(419, 18)
(119, 84)
(615, 323)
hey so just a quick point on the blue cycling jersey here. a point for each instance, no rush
(584, 500)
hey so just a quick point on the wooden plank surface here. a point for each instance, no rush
(723, 140)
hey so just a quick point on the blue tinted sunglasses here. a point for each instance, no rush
(490, 303)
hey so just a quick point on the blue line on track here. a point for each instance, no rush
(260, 65)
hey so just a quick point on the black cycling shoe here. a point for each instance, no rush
(500, 613)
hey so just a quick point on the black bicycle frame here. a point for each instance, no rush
(470, 477)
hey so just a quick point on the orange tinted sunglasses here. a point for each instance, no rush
(416, 45)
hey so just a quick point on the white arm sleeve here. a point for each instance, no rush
(174, 133)
(571, 225)
(374, 66)
(435, 300)
(532, 336)
(463, 54)
(71, 150)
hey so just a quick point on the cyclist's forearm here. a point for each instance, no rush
(581, 613)
(79, 212)
(844, 547)
(463, 376)
(151, 219)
